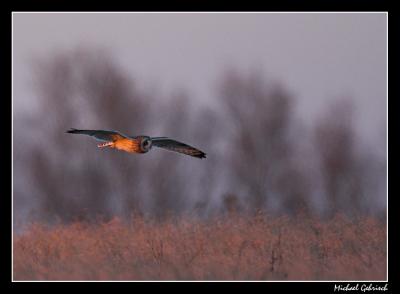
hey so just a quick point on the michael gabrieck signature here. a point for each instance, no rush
(361, 287)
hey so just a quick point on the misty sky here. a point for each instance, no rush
(318, 56)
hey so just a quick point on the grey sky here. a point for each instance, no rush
(318, 56)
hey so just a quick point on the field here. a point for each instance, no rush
(229, 248)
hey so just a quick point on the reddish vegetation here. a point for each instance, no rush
(232, 248)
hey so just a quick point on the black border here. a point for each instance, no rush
(5, 206)
(286, 5)
(252, 5)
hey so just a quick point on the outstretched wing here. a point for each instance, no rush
(172, 145)
(108, 136)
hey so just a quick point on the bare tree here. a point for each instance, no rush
(83, 89)
(342, 161)
(260, 146)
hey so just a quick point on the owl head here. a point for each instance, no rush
(145, 143)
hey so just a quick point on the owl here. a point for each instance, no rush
(138, 144)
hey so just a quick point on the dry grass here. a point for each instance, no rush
(232, 248)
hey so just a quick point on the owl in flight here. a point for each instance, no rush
(138, 144)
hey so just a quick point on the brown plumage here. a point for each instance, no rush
(138, 144)
(128, 145)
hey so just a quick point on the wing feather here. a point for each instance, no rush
(107, 136)
(173, 145)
